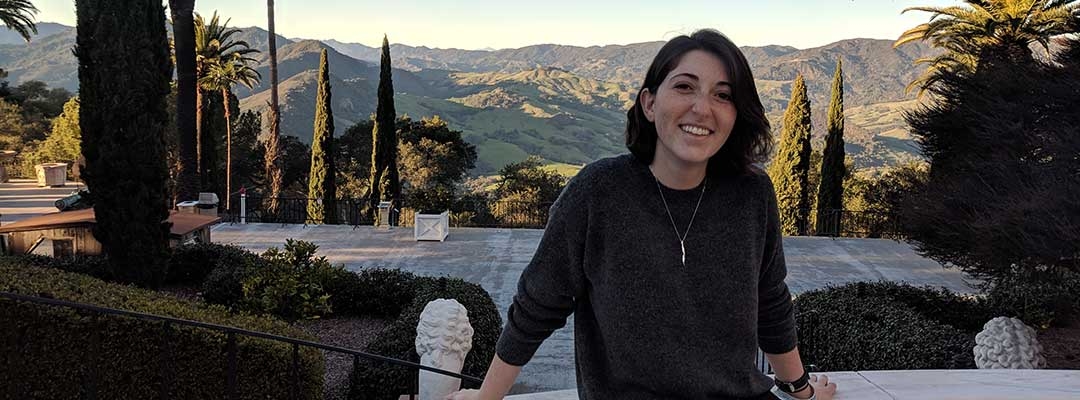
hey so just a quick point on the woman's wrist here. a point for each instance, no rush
(806, 393)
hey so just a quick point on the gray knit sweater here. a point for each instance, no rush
(646, 327)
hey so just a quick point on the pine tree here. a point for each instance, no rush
(123, 89)
(384, 137)
(790, 168)
(322, 190)
(830, 195)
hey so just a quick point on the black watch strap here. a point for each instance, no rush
(794, 386)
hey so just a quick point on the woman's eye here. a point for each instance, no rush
(683, 86)
(724, 96)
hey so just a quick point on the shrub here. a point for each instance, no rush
(375, 380)
(95, 266)
(289, 284)
(376, 292)
(190, 264)
(225, 283)
(51, 351)
(1039, 301)
(886, 326)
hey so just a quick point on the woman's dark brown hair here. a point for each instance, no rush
(751, 138)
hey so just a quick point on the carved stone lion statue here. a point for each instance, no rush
(443, 339)
(1006, 343)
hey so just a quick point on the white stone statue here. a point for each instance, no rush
(1006, 343)
(443, 339)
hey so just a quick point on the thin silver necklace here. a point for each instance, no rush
(682, 237)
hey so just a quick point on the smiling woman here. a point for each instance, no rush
(657, 315)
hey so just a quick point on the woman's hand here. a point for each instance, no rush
(823, 389)
(472, 394)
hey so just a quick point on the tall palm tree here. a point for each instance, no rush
(222, 75)
(273, 165)
(213, 45)
(982, 30)
(18, 16)
(187, 178)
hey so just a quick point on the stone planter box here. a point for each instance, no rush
(51, 174)
(431, 226)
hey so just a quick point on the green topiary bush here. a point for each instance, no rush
(190, 264)
(887, 326)
(375, 292)
(50, 352)
(1039, 301)
(374, 380)
(95, 266)
(225, 283)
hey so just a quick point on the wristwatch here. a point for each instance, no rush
(794, 386)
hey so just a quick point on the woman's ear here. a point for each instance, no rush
(648, 100)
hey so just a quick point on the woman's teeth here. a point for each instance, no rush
(695, 130)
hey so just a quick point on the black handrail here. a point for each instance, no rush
(231, 341)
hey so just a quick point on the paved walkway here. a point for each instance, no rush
(22, 198)
(494, 258)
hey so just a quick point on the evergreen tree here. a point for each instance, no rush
(790, 168)
(62, 144)
(830, 195)
(187, 174)
(384, 138)
(123, 89)
(322, 191)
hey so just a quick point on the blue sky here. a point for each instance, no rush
(476, 24)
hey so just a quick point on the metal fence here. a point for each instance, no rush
(861, 224)
(463, 213)
(230, 349)
(483, 213)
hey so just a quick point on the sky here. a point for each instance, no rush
(497, 24)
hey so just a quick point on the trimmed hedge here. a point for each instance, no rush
(887, 326)
(49, 350)
(374, 380)
(376, 292)
(190, 264)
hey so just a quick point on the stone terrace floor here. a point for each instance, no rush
(494, 258)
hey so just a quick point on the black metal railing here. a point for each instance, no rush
(232, 366)
(463, 213)
(810, 338)
(861, 224)
(483, 213)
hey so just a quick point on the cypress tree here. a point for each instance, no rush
(322, 190)
(790, 169)
(124, 74)
(830, 195)
(384, 137)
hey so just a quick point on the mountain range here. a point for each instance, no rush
(566, 104)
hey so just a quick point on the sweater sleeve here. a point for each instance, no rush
(776, 314)
(547, 288)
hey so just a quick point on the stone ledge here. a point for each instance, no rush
(930, 384)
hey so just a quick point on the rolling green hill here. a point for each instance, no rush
(564, 103)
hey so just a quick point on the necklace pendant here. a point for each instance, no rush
(683, 246)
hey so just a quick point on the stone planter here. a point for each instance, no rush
(51, 174)
(431, 226)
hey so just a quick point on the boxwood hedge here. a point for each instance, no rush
(887, 326)
(58, 353)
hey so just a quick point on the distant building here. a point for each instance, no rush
(69, 233)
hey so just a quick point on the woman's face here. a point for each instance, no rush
(693, 111)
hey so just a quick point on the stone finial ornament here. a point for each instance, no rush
(443, 339)
(1006, 343)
